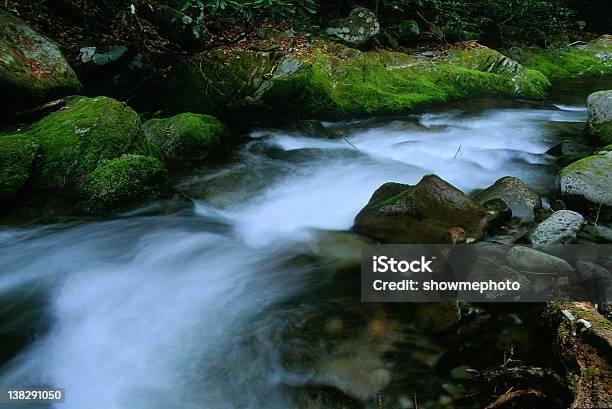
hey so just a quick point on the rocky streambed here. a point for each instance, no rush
(152, 257)
(244, 290)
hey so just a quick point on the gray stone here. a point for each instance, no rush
(599, 123)
(357, 30)
(521, 200)
(589, 179)
(527, 259)
(561, 227)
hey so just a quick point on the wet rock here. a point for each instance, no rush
(389, 39)
(568, 152)
(599, 123)
(524, 258)
(561, 227)
(76, 139)
(588, 180)
(485, 270)
(423, 213)
(312, 129)
(357, 30)
(408, 31)
(177, 26)
(185, 137)
(32, 69)
(102, 55)
(122, 181)
(17, 155)
(521, 200)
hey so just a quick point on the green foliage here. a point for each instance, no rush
(531, 20)
(251, 9)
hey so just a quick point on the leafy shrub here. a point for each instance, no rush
(253, 9)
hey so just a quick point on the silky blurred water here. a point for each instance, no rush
(146, 311)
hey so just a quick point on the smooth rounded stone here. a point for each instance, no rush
(521, 200)
(524, 258)
(603, 232)
(357, 30)
(32, 68)
(484, 270)
(588, 179)
(599, 122)
(561, 227)
(339, 248)
(432, 211)
(587, 270)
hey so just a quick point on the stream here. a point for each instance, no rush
(243, 293)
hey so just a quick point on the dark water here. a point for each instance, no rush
(243, 296)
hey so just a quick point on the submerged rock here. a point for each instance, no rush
(17, 154)
(589, 180)
(562, 227)
(599, 123)
(76, 139)
(521, 200)
(357, 30)
(185, 137)
(121, 181)
(425, 213)
(32, 69)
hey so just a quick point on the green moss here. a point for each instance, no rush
(185, 136)
(591, 60)
(123, 180)
(17, 154)
(77, 138)
(587, 165)
(334, 81)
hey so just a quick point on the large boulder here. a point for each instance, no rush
(17, 153)
(561, 227)
(432, 211)
(77, 138)
(32, 69)
(185, 137)
(599, 123)
(122, 181)
(357, 30)
(589, 180)
(521, 200)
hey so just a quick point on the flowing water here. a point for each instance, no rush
(220, 302)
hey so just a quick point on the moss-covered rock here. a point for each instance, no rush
(586, 60)
(432, 211)
(589, 180)
(334, 81)
(122, 181)
(17, 154)
(32, 69)
(185, 137)
(77, 138)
